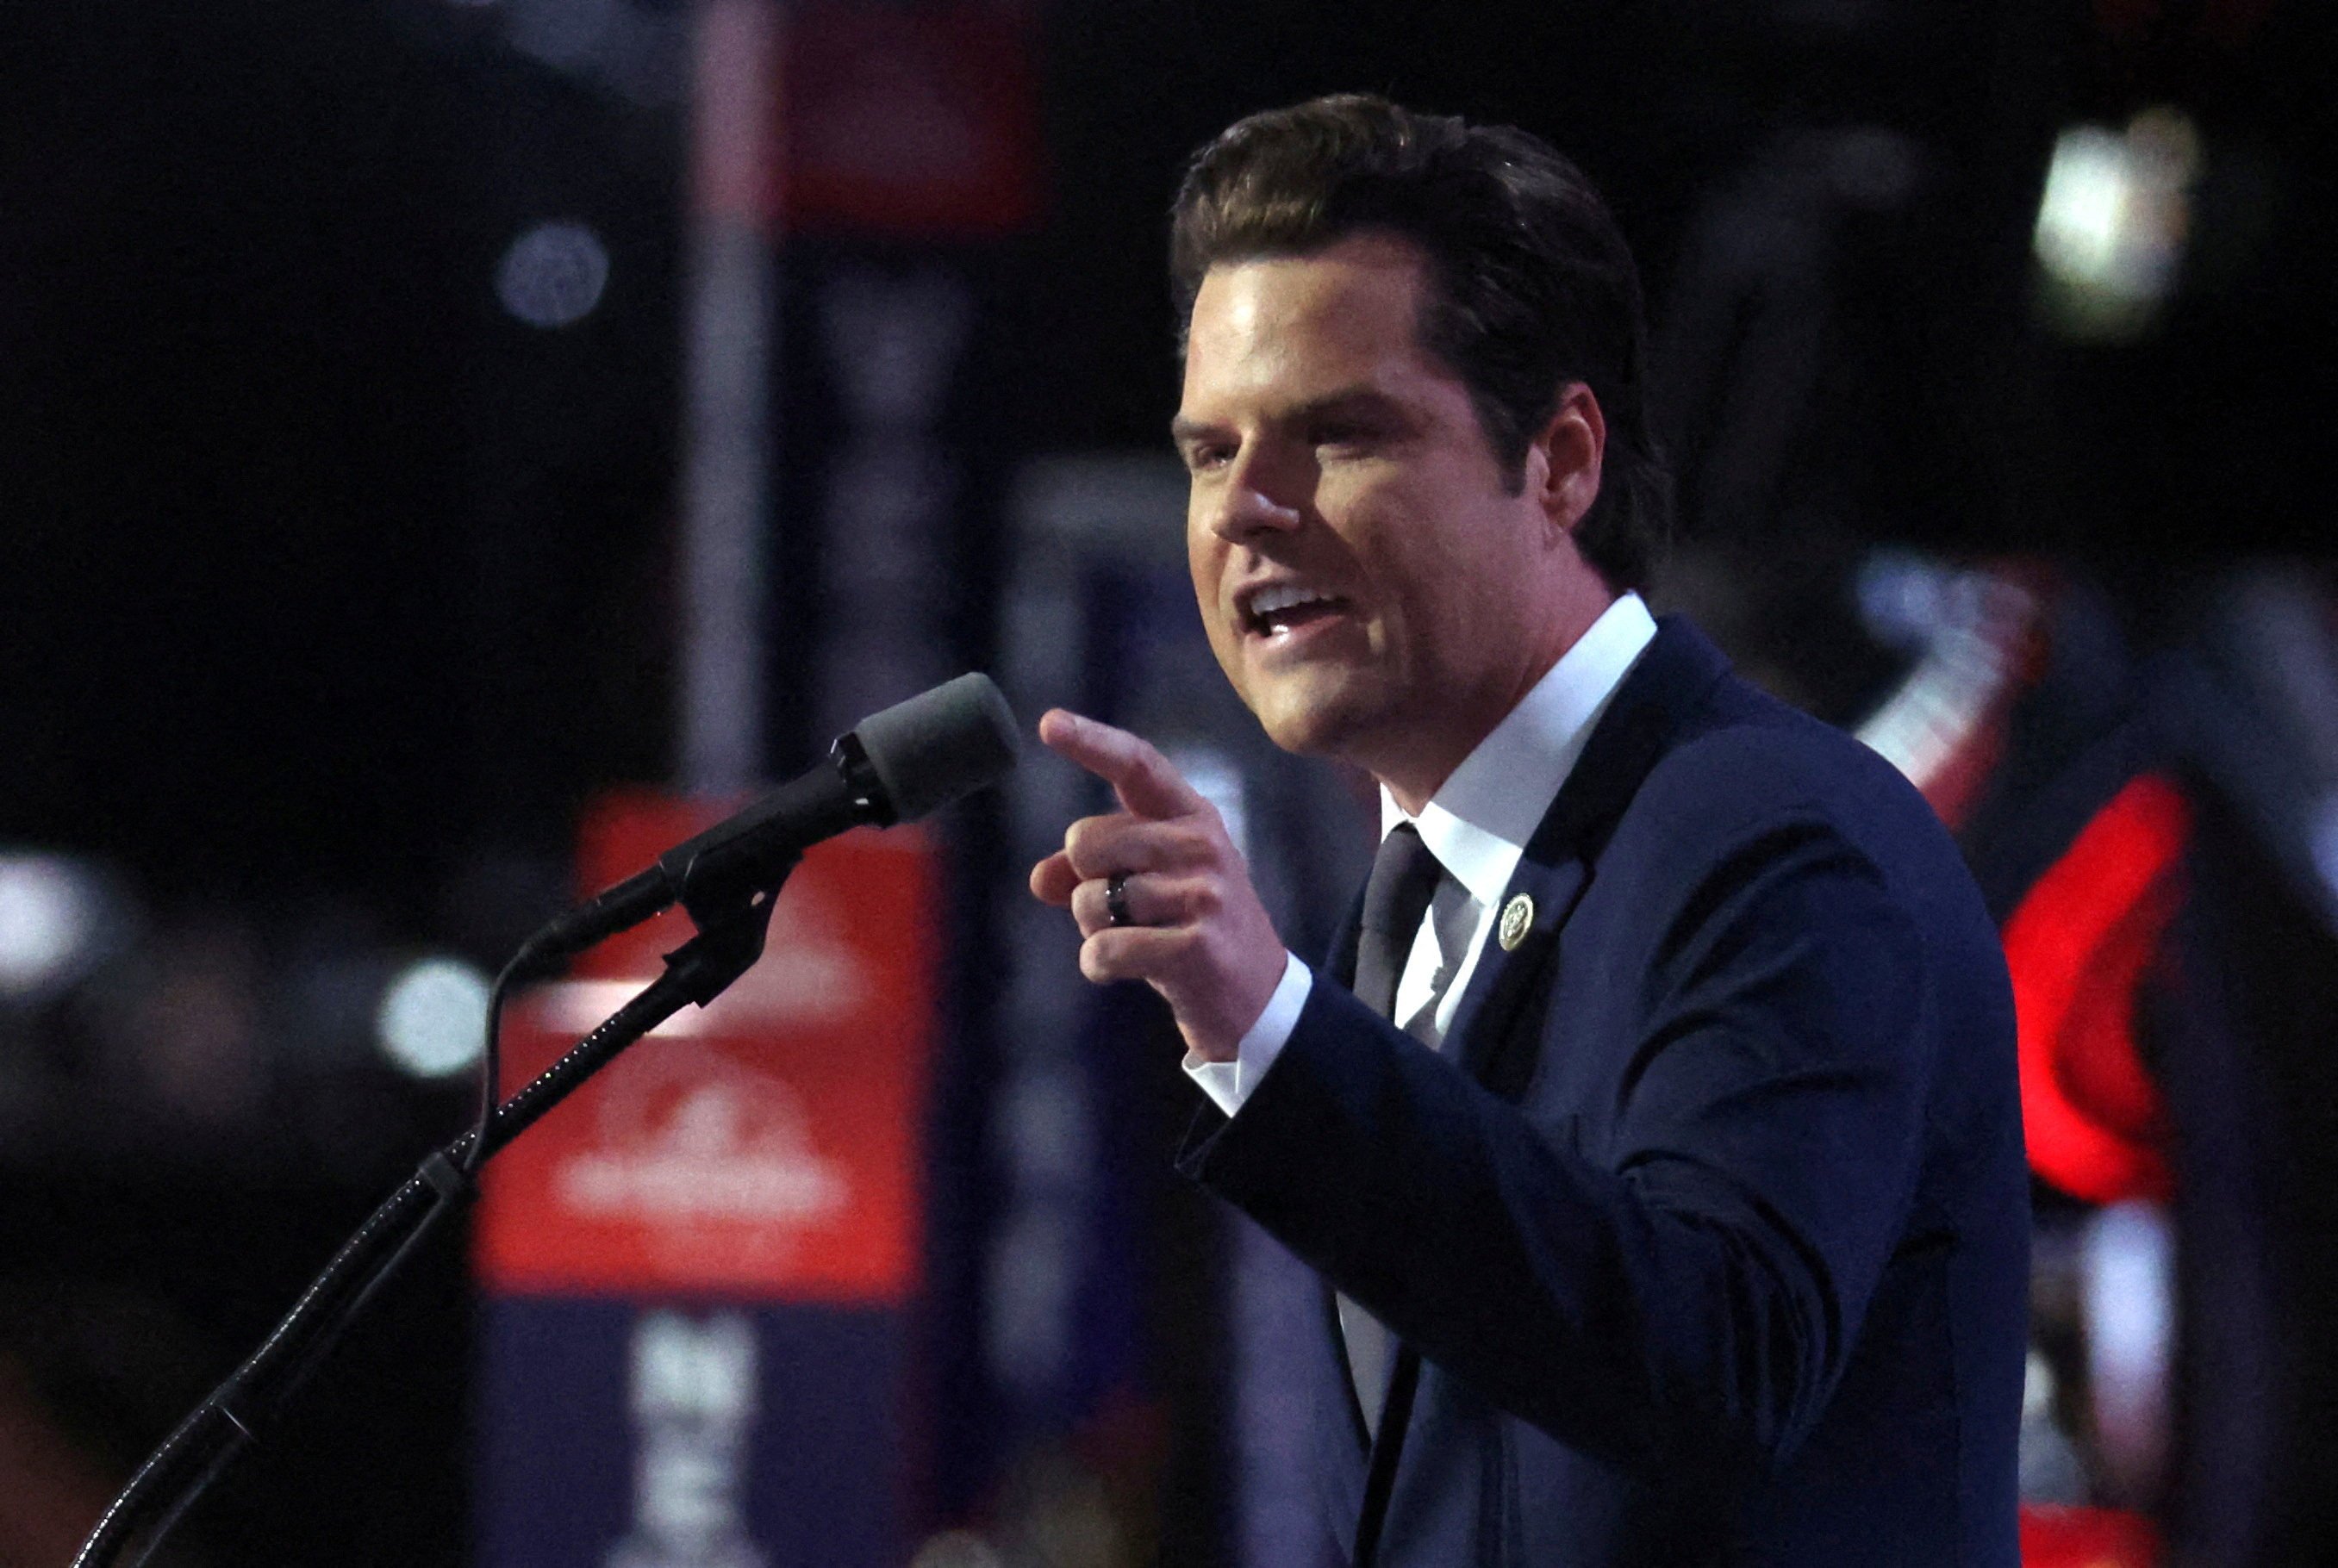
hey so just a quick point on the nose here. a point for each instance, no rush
(1253, 499)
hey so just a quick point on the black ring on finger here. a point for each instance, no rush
(1115, 900)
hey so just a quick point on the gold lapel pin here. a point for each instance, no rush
(1518, 919)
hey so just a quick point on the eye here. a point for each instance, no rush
(1201, 457)
(1352, 433)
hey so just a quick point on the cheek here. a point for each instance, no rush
(1441, 599)
(1400, 547)
(1205, 559)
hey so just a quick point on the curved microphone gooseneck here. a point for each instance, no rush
(897, 765)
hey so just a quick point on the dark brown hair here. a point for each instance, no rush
(1533, 287)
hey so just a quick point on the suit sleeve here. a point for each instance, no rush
(1688, 1292)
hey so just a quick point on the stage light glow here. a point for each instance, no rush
(50, 912)
(2128, 1272)
(2077, 947)
(2112, 222)
(553, 275)
(2323, 831)
(433, 1018)
(2085, 204)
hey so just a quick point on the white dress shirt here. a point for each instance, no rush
(1476, 825)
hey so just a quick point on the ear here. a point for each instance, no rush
(1563, 466)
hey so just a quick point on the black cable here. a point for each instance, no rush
(491, 1057)
(232, 1413)
(229, 1419)
(170, 1520)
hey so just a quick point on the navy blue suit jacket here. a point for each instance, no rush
(1707, 1242)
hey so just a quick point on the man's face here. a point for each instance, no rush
(1370, 585)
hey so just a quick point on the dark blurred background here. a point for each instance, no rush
(381, 385)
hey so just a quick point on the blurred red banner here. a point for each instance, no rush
(2086, 1538)
(766, 1147)
(910, 121)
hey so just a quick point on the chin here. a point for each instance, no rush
(1309, 723)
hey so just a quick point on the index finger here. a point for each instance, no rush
(1143, 778)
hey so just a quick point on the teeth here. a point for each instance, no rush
(1268, 600)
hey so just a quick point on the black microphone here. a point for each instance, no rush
(897, 765)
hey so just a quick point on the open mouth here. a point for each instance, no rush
(1279, 610)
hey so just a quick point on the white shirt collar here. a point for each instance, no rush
(1478, 822)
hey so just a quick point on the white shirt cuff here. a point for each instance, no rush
(1230, 1082)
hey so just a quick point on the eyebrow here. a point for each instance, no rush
(1347, 399)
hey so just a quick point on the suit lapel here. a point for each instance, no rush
(1488, 1018)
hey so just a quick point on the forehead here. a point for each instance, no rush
(1294, 326)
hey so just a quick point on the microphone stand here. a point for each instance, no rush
(730, 939)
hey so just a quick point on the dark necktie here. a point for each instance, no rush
(1405, 878)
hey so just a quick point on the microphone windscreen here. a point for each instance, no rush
(939, 745)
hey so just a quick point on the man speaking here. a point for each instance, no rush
(1654, 1126)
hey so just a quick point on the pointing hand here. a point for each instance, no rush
(1159, 891)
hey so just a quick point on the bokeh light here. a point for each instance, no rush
(433, 1018)
(553, 275)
